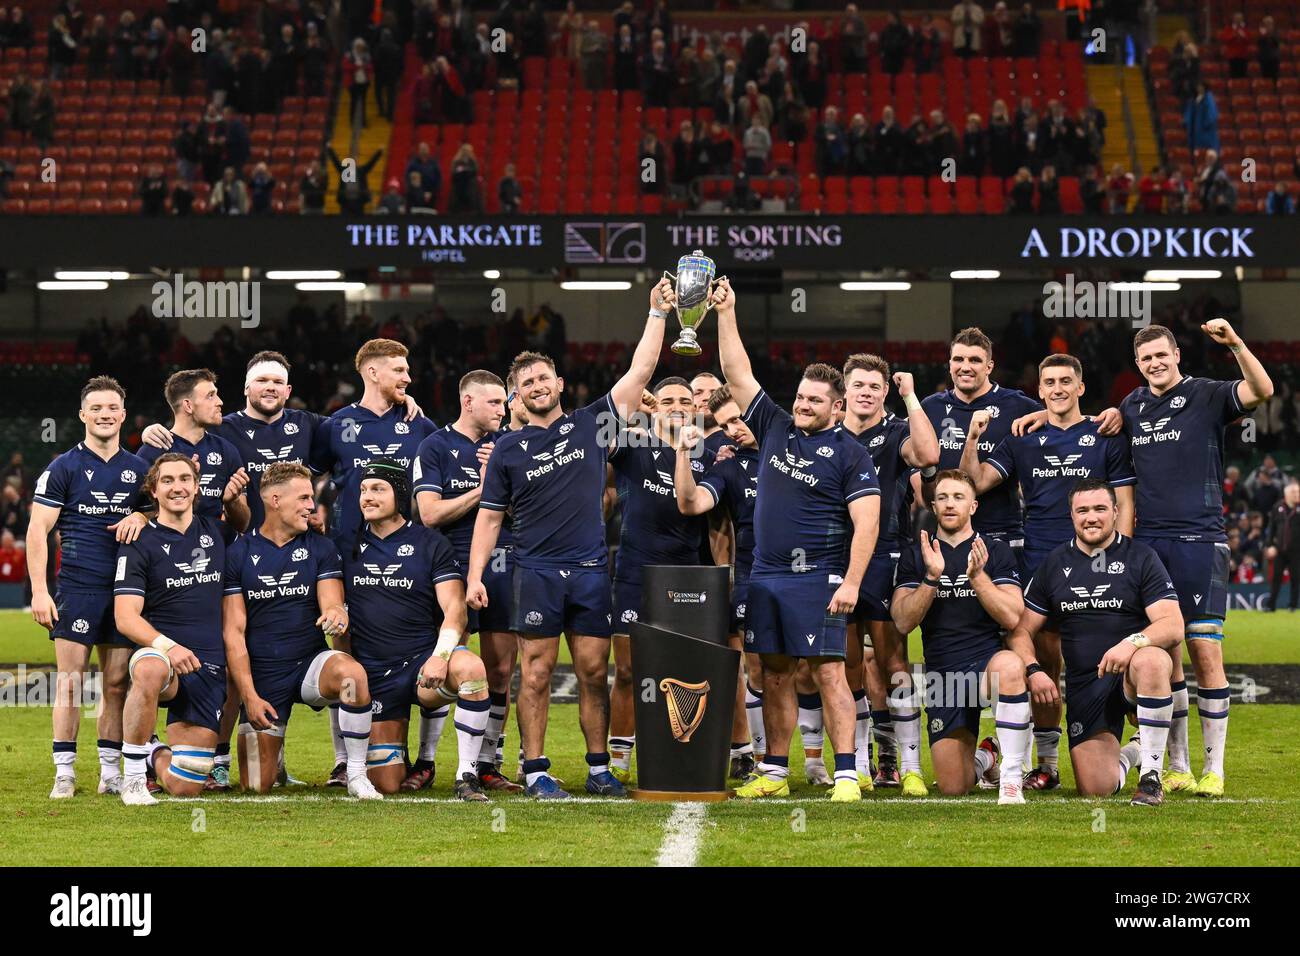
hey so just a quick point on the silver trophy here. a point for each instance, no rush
(694, 285)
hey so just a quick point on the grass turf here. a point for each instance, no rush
(313, 825)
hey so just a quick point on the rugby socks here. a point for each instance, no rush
(354, 729)
(110, 758)
(810, 721)
(1129, 755)
(741, 747)
(846, 767)
(774, 768)
(1013, 720)
(222, 758)
(135, 758)
(1154, 717)
(1047, 741)
(620, 752)
(340, 748)
(597, 763)
(65, 758)
(534, 770)
(493, 739)
(431, 721)
(882, 731)
(754, 712)
(862, 732)
(470, 722)
(983, 762)
(1180, 759)
(1212, 702)
(906, 716)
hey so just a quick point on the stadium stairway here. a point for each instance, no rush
(1109, 97)
(376, 135)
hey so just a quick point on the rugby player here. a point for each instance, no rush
(87, 495)
(732, 479)
(1120, 623)
(552, 475)
(963, 590)
(407, 618)
(1046, 464)
(167, 600)
(652, 532)
(448, 484)
(877, 651)
(1175, 427)
(283, 587)
(815, 526)
(377, 426)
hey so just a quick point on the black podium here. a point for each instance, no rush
(684, 678)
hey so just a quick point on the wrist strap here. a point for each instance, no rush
(1034, 668)
(657, 314)
(933, 582)
(448, 638)
(911, 402)
(162, 643)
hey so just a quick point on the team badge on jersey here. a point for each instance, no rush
(401, 428)
(566, 428)
(826, 451)
(1087, 441)
(405, 550)
(1178, 401)
(214, 458)
(129, 477)
(300, 554)
(290, 428)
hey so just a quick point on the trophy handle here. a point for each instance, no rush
(669, 275)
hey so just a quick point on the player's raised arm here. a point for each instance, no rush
(984, 475)
(736, 367)
(1001, 597)
(917, 586)
(920, 448)
(692, 499)
(1255, 386)
(627, 391)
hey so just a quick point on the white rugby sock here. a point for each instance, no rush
(862, 732)
(882, 732)
(65, 758)
(620, 751)
(1129, 755)
(1153, 715)
(340, 750)
(110, 758)
(493, 739)
(905, 714)
(754, 713)
(354, 726)
(810, 721)
(983, 761)
(135, 758)
(431, 722)
(1013, 719)
(1180, 758)
(1213, 702)
(1047, 741)
(471, 720)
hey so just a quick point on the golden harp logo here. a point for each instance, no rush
(686, 703)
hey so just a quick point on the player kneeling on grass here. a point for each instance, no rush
(963, 589)
(1119, 621)
(283, 586)
(406, 602)
(167, 599)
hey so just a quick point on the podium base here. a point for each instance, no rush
(681, 796)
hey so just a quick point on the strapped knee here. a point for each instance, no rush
(144, 652)
(469, 688)
(192, 764)
(1205, 629)
(384, 755)
(277, 729)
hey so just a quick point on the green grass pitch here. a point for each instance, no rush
(1253, 825)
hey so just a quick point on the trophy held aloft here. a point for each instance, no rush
(694, 284)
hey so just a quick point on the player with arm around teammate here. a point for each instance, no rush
(1119, 622)
(283, 588)
(963, 590)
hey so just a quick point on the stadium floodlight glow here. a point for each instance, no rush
(330, 286)
(595, 285)
(1176, 275)
(303, 275)
(875, 286)
(975, 274)
(73, 285)
(491, 273)
(1144, 286)
(96, 275)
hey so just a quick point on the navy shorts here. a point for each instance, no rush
(497, 578)
(200, 698)
(954, 702)
(392, 686)
(877, 590)
(1094, 704)
(279, 683)
(739, 604)
(86, 617)
(548, 602)
(627, 604)
(1199, 570)
(787, 615)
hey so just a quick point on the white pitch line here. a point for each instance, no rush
(682, 833)
(801, 801)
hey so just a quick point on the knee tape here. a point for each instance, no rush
(1206, 629)
(384, 755)
(192, 763)
(277, 729)
(471, 687)
(144, 652)
(446, 693)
